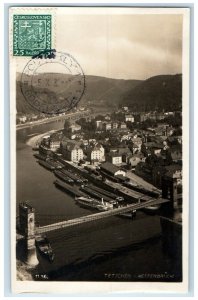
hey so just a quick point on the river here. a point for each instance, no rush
(115, 249)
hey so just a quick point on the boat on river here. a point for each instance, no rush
(134, 186)
(40, 156)
(75, 177)
(72, 190)
(93, 203)
(44, 247)
(63, 177)
(46, 165)
(54, 163)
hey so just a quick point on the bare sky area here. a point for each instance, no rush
(123, 46)
(119, 43)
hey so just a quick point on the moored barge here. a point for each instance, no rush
(46, 165)
(141, 189)
(63, 177)
(68, 188)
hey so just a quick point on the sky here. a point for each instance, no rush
(122, 46)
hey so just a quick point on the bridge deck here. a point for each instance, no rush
(97, 216)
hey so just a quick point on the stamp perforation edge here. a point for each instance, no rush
(29, 11)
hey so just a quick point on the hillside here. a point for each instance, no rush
(156, 93)
(99, 91)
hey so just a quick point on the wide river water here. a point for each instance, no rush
(113, 249)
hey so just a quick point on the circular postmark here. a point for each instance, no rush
(53, 85)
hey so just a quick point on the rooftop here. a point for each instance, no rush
(109, 167)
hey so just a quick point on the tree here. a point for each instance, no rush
(67, 129)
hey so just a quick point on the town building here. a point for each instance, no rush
(129, 118)
(95, 153)
(137, 144)
(107, 126)
(135, 159)
(22, 119)
(54, 140)
(99, 124)
(125, 152)
(114, 125)
(176, 153)
(114, 158)
(125, 108)
(123, 125)
(151, 148)
(45, 141)
(126, 137)
(76, 136)
(75, 127)
(71, 151)
(107, 117)
(54, 143)
(111, 169)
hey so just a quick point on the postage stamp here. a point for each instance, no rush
(53, 82)
(31, 34)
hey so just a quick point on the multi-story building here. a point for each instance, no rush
(129, 118)
(137, 143)
(99, 124)
(114, 125)
(107, 126)
(71, 151)
(114, 158)
(96, 153)
(123, 125)
(54, 143)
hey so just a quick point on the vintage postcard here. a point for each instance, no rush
(99, 104)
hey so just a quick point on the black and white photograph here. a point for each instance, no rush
(99, 148)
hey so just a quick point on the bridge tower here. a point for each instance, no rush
(170, 183)
(27, 228)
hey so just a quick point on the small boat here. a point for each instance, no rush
(43, 244)
(130, 214)
(152, 209)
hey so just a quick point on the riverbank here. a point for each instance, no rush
(23, 271)
(50, 120)
(37, 138)
(39, 122)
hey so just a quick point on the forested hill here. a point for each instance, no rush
(164, 91)
(99, 91)
(158, 92)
